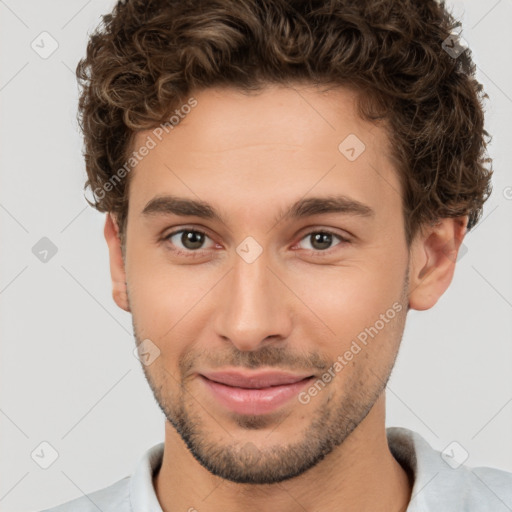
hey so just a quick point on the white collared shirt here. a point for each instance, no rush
(440, 484)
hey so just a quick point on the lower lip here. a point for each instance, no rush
(254, 401)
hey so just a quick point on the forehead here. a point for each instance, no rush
(266, 150)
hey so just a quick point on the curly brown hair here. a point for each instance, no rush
(147, 56)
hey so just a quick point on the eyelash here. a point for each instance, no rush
(199, 252)
(181, 252)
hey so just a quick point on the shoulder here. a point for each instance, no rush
(487, 489)
(134, 492)
(115, 497)
(472, 489)
(442, 480)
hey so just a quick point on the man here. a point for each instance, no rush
(283, 181)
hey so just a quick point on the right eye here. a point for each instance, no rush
(191, 241)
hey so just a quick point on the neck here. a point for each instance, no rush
(361, 474)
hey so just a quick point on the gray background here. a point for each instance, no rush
(68, 374)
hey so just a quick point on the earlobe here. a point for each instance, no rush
(117, 270)
(432, 263)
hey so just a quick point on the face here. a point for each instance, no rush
(252, 284)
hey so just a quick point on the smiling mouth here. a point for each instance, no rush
(254, 394)
(254, 380)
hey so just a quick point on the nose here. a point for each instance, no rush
(254, 306)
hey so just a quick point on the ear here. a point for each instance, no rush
(117, 270)
(433, 257)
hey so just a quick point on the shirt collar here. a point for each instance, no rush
(142, 492)
(432, 476)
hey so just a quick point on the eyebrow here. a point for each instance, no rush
(173, 205)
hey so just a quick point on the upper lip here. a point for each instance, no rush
(255, 379)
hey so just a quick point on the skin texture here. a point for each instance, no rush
(250, 157)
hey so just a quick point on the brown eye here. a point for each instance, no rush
(185, 240)
(192, 239)
(323, 240)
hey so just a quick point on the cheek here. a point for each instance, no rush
(355, 288)
(163, 296)
(341, 302)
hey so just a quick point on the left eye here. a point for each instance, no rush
(322, 240)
